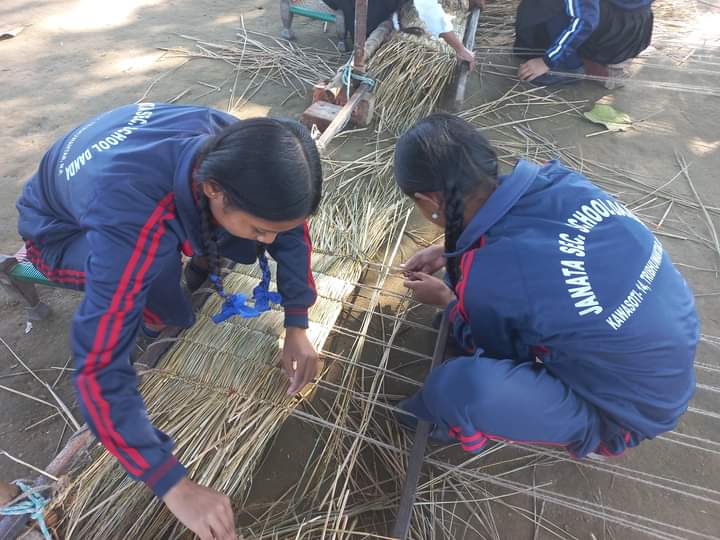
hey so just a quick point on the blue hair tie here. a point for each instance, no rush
(236, 304)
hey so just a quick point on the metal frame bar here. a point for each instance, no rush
(417, 452)
(463, 70)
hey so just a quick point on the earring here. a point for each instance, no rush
(435, 216)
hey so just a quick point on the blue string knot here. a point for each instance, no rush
(33, 505)
(236, 304)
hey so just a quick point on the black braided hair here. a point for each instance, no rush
(447, 155)
(209, 239)
(267, 167)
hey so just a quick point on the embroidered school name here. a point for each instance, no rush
(139, 118)
(572, 248)
(642, 287)
(595, 212)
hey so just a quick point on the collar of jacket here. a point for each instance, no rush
(510, 189)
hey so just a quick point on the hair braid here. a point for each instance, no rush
(454, 224)
(210, 242)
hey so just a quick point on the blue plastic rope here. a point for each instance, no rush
(236, 304)
(348, 75)
(34, 505)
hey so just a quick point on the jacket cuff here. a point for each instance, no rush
(296, 317)
(165, 476)
(548, 62)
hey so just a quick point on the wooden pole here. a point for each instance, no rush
(11, 526)
(372, 44)
(361, 10)
(417, 453)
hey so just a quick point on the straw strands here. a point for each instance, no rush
(412, 76)
(413, 71)
(261, 58)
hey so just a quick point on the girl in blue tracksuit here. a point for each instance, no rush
(578, 330)
(112, 208)
(579, 35)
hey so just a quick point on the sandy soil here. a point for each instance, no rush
(78, 58)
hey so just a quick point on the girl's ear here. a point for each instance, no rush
(211, 189)
(433, 201)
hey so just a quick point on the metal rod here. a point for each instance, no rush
(417, 453)
(463, 70)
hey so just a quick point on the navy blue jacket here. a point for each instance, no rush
(123, 180)
(584, 19)
(552, 266)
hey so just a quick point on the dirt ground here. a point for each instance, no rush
(78, 58)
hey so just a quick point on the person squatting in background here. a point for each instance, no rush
(578, 331)
(579, 36)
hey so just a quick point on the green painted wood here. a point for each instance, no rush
(25, 271)
(312, 14)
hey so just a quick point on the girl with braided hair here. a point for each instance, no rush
(576, 329)
(112, 208)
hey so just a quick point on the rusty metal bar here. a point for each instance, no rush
(417, 452)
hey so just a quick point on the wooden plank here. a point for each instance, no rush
(320, 114)
(342, 118)
(463, 69)
(417, 452)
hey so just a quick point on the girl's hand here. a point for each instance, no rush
(429, 289)
(204, 511)
(453, 40)
(299, 359)
(428, 261)
(468, 56)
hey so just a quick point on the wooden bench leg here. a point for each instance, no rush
(287, 18)
(22, 290)
(340, 30)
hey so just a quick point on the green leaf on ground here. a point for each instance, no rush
(608, 116)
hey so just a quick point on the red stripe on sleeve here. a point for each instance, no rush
(161, 471)
(308, 244)
(88, 384)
